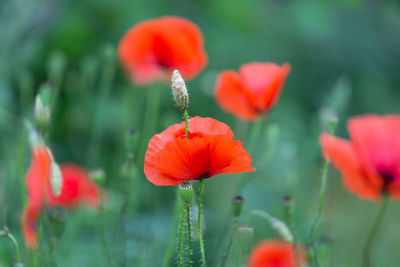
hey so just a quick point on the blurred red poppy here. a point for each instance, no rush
(274, 253)
(210, 149)
(151, 49)
(77, 188)
(370, 162)
(250, 93)
(37, 180)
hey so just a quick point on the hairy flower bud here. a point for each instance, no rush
(56, 179)
(237, 203)
(43, 105)
(186, 192)
(179, 90)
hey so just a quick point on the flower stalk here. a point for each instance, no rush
(10, 236)
(366, 254)
(199, 228)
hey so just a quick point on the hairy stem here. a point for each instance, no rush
(189, 235)
(181, 238)
(203, 257)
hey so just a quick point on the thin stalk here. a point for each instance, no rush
(203, 257)
(324, 180)
(189, 233)
(181, 238)
(366, 259)
(254, 134)
(230, 241)
(150, 119)
(186, 116)
(15, 244)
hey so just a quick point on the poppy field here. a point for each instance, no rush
(199, 133)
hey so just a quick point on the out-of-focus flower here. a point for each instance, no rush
(152, 49)
(370, 162)
(37, 181)
(76, 189)
(273, 253)
(209, 150)
(250, 93)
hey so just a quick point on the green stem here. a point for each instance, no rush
(203, 257)
(150, 119)
(15, 243)
(181, 238)
(324, 180)
(189, 233)
(234, 227)
(366, 260)
(254, 134)
(186, 116)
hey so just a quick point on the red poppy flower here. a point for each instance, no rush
(251, 92)
(171, 158)
(274, 253)
(76, 189)
(370, 162)
(150, 50)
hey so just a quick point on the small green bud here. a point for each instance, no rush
(288, 204)
(281, 228)
(237, 204)
(179, 90)
(56, 179)
(129, 170)
(43, 105)
(97, 175)
(186, 192)
(33, 136)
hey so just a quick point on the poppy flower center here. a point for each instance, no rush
(182, 134)
(388, 177)
(163, 51)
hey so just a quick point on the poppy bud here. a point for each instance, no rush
(237, 203)
(186, 192)
(97, 175)
(43, 105)
(288, 204)
(281, 228)
(33, 136)
(179, 90)
(56, 179)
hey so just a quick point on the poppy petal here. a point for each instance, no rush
(229, 95)
(77, 188)
(29, 225)
(377, 141)
(346, 160)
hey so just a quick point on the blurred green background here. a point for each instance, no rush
(345, 57)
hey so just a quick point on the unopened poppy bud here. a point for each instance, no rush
(56, 179)
(281, 228)
(186, 192)
(237, 204)
(33, 136)
(43, 105)
(179, 90)
(97, 175)
(288, 204)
